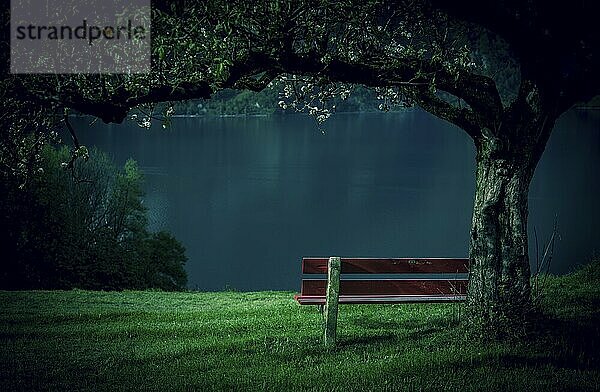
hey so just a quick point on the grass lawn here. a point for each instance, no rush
(82, 340)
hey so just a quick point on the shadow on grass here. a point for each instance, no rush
(575, 343)
(353, 342)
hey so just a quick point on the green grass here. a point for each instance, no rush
(81, 340)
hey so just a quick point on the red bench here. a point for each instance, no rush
(449, 286)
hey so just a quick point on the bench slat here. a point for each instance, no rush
(359, 287)
(355, 265)
(386, 299)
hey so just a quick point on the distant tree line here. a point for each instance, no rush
(82, 224)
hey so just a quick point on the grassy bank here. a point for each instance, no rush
(80, 340)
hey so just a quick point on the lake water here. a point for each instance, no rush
(248, 197)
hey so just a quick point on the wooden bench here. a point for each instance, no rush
(449, 286)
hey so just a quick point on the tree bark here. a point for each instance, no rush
(499, 286)
(499, 272)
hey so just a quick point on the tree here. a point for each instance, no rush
(410, 52)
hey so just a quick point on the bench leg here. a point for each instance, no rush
(332, 300)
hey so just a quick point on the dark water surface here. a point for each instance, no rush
(248, 197)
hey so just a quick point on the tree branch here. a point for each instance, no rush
(461, 117)
(478, 91)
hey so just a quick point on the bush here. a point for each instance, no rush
(84, 227)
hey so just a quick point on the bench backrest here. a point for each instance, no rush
(449, 285)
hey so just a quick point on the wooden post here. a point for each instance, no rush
(331, 304)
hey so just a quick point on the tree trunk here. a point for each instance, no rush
(499, 287)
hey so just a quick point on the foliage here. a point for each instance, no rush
(82, 340)
(84, 227)
(25, 129)
(200, 48)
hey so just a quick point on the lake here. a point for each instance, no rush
(248, 197)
